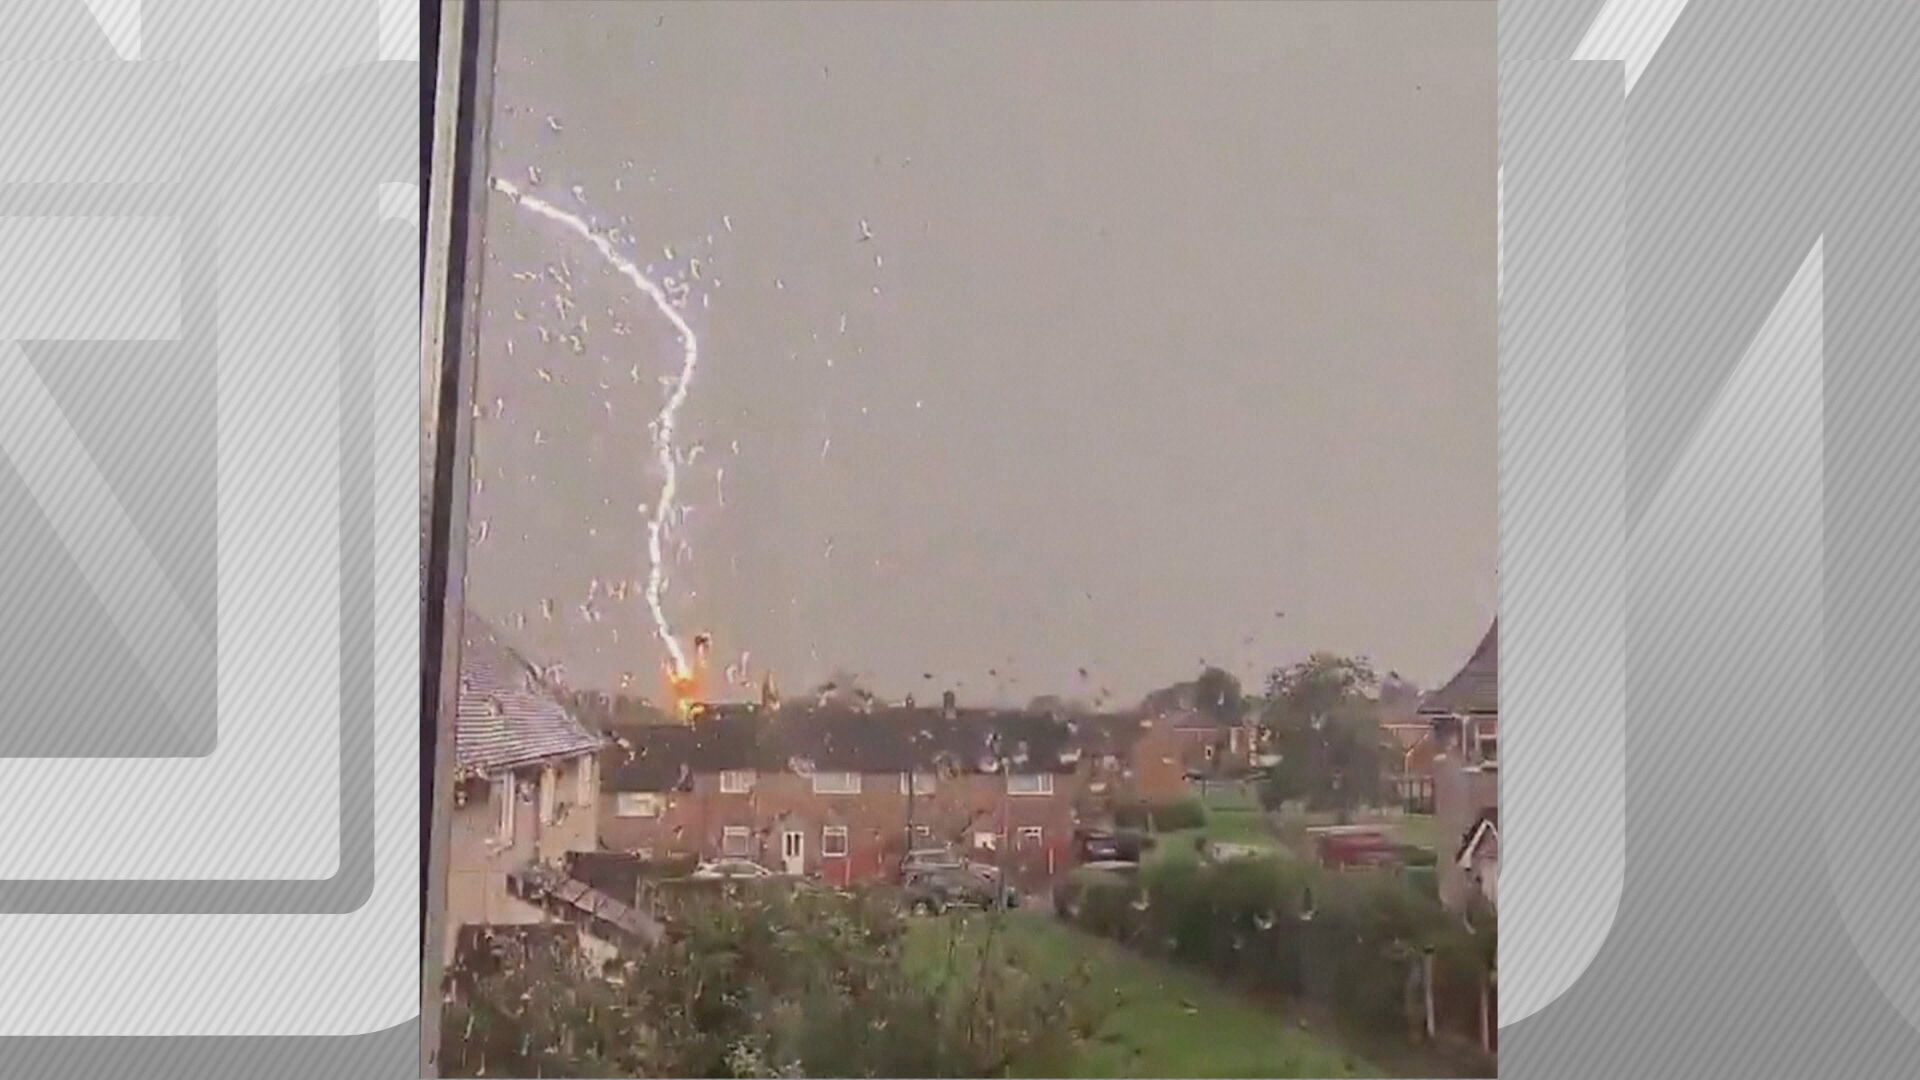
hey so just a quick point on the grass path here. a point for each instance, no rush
(1166, 1021)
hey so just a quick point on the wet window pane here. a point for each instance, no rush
(956, 490)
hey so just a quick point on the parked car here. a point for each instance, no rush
(1092, 844)
(730, 869)
(945, 859)
(1067, 895)
(933, 891)
(1351, 846)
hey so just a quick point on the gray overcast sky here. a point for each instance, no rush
(1174, 318)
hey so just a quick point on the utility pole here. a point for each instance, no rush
(913, 761)
(1005, 839)
(908, 849)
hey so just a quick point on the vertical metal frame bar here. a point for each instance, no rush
(454, 192)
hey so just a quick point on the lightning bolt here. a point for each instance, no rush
(664, 424)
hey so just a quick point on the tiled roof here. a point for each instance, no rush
(829, 739)
(506, 718)
(1475, 688)
(662, 757)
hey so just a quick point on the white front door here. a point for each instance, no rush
(793, 851)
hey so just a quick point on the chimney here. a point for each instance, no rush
(949, 707)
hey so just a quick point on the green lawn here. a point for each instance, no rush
(1232, 797)
(1165, 1021)
(1419, 829)
(1416, 829)
(1233, 817)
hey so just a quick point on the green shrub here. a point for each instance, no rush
(1160, 817)
(1183, 814)
(1350, 941)
(1110, 908)
(1415, 855)
(1423, 880)
(769, 983)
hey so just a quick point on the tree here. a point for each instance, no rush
(1320, 716)
(1398, 694)
(1217, 694)
(843, 688)
(770, 982)
(1055, 705)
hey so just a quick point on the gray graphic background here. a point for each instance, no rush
(224, 187)
(1765, 924)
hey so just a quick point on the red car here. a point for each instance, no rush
(1350, 846)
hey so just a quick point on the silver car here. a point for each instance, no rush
(945, 859)
(730, 869)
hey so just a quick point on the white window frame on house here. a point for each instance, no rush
(1035, 783)
(922, 832)
(848, 783)
(921, 783)
(736, 781)
(637, 804)
(585, 782)
(1035, 833)
(987, 840)
(502, 796)
(549, 792)
(741, 833)
(828, 835)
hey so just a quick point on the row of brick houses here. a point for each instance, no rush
(834, 791)
(837, 791)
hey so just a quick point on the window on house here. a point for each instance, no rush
(736, 841)
(922, 834)
(833, 841)
(1029, 783)
(836, 783)
(503, 809)
(986, 841)
(736, 781)
(549, 790)
(636, 804)
(920, 783)
(1031, 835)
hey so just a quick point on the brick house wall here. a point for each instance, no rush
(869, 829)
(1159, 770)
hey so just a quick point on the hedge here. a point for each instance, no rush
(1349, 940)
(1160, 817)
